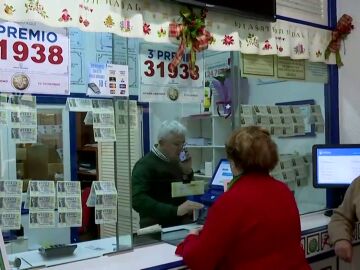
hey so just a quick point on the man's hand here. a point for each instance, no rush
(343, 249)
(196, 231)
(186, 165)
(187, 207)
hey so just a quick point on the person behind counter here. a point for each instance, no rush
(256, 223)
(152, 177)
(342, 223)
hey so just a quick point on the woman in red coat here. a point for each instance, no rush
(255, 225)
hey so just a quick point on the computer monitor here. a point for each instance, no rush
(222, 173)
(335, 165)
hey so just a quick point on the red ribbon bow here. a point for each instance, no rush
(343, 28)
(200, 43)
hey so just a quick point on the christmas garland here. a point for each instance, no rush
(192, 34)
(343, 28)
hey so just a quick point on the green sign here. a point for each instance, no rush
(259, 65)
(290, 69)
(316, 72)
(286, 68)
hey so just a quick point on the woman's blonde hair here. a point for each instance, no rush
(252, 149)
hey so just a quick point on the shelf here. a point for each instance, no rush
(87, 173)
(198, 116)
(219, 146)
(198, 146)
(202, 116)
(204, 146)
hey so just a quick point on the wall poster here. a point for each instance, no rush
(159, 84)
(34, 59)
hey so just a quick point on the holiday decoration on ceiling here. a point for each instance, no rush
(9, 9)
(192, 34)
(36, 6)
(65, 16)
(342, 30)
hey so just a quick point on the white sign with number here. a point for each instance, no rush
(160, 84)
(34, 59)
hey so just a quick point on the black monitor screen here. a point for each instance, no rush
(335, 165)
(262, 9)
(266, 7)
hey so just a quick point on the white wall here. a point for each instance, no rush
(308, 198)
(349, 77)
(269, 94)
(160, 112)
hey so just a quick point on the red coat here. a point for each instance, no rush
(253, 226)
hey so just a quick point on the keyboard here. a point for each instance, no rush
(202, 216)
(61, 250)
(210, 197)
(174, 237)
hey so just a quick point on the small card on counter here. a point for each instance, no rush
(179, 189)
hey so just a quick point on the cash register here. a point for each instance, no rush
(216, 187)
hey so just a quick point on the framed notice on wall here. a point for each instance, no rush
(161, 84)
(282, 68)
(252, 64)
(34, 59)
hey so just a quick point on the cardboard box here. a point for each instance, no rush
(53, 144)
(54, 168)
(37, 162)
(20, 154)
(20, 170)
(49, 119)
(53, 155)
(50, 141)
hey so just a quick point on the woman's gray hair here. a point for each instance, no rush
(171, 127)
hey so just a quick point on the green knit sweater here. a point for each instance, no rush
(151, 191)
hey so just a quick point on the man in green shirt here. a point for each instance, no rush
(152, 177)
